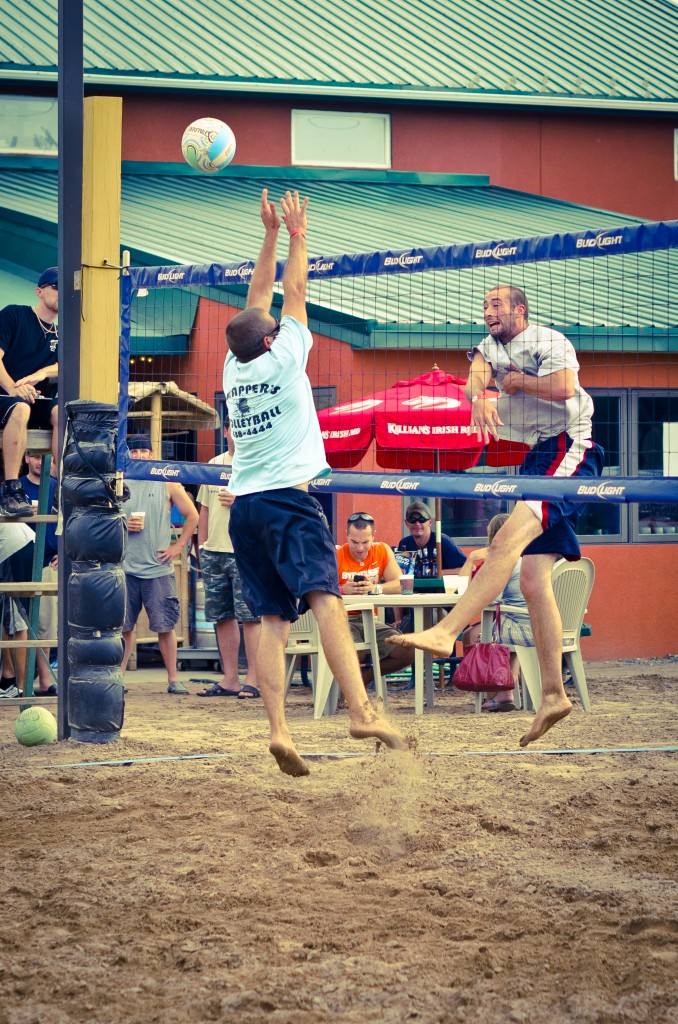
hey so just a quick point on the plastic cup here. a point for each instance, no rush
(34, 506)
(140, 518)
(462, 585)
(407, 583)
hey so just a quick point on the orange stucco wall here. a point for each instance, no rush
(618, 162)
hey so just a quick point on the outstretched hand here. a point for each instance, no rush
(294, 212)
(269, 213)
(485, 420)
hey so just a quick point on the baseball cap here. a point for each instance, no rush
(139, 442)
(418, 507)
(49, 276)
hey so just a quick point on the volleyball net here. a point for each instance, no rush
(410, 318)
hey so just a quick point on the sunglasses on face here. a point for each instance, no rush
(273, 333)
(358, 517)
(416, 519)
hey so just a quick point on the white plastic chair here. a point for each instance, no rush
(304, 639)
(572, 586)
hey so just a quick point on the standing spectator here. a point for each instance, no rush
(148, 564)
(48, 620)
(16, 566)
(29, 341)
(224, 603)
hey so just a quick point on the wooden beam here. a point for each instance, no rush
(156, 425)
(100, 319)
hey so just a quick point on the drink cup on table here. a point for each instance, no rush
(407, 583)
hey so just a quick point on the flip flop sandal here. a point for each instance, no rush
(500, 705)
(248, 693)
(218, 691)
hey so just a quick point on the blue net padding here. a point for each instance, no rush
(618, 490)
(628, 238)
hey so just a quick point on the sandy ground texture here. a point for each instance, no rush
(384, 887)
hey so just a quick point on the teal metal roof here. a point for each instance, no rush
(579, 52)
(180, 219)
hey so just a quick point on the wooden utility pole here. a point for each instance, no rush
(100, 318)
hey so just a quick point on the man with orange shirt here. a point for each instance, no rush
(363, 565)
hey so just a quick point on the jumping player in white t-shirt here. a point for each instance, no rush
(541, 405)
(283, 548)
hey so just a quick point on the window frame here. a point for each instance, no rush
(299, 161)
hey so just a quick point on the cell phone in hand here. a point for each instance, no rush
(358, 579)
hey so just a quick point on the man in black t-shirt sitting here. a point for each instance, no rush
(421, 547)
(28, 358)
(422, 539)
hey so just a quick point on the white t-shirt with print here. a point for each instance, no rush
(273, 419)
(537, 351)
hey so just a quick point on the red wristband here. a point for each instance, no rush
(297, 231)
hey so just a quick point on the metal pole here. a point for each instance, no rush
(70, 31)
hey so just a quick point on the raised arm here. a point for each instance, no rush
(296, 268)
(260, 292)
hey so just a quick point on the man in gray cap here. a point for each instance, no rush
(419, 519)
(29, 342)
(149, 559)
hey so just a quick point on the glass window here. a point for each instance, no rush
(335, 138)
(656, 434)
(465, 519)
(599, 518)
(28, 125)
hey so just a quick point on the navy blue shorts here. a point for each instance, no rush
(283, 549)
(560, 456)
(41, 411)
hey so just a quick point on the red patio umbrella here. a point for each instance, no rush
(423, 424)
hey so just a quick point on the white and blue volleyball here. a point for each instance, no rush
(208, 145)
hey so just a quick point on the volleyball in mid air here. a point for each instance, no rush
(208, 145)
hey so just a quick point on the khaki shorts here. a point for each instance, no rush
(49, 617)
(358, 633)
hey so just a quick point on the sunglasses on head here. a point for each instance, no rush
(358, 517)
(416, 519)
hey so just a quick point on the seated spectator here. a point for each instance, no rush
(365, 564)
(421, 547)
(515, 625)
(29, 341)
(47, 622)
(422, 539)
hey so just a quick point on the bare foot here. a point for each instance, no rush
(551, 710)
(289, 761)
(435, 640)
(366, 724)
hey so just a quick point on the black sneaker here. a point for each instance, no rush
(13, 500)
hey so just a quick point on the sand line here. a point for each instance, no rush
(344, 754)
